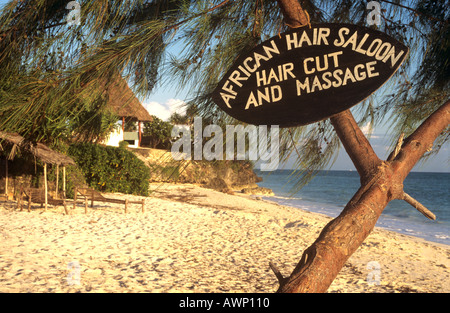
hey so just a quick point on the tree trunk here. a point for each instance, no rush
(323, 260)
(294, 15)
(356, 145)
(381, 182)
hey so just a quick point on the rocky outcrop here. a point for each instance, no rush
(260, 191)
(224, 176)
(219, 184)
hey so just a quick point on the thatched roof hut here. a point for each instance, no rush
(123, 101)
(40, 151)
(124, 104)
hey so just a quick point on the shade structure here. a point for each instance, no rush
(38, 150)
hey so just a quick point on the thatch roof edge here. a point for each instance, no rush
(40, 151)
(124, 102)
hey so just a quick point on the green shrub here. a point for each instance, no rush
(123, 144)
(111, 169)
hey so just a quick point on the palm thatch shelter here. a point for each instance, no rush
(124, 104)
(40, 151)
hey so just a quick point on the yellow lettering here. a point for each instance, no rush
(251, 100)
(307, 71)
(343, 30)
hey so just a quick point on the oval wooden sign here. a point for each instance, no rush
(308, 74)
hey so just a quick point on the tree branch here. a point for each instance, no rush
(415, 146)
(397, 148)
(419, 206)
(356, 144)
(380, 183)
(195, 16)
(294, 15)
(277, 273)
(343, 235)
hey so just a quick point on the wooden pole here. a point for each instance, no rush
(45, 186)
(123, 127)
(64, 182)
(75, 198)
(65, 206)
(29, 200)
(6, 178)
(57, 180)
(19, 200)
(140, 133)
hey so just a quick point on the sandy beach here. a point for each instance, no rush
(191, 239)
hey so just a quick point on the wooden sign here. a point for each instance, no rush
(308, 74)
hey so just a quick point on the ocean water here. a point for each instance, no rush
(329, 192)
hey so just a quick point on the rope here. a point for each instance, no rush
(307, 23)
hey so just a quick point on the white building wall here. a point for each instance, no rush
(114, 138)
(117, 136)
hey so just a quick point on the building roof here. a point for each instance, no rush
(123, 101)
(40, 151)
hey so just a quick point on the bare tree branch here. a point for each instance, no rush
(421, 140)
(294, 15)
(356, 144)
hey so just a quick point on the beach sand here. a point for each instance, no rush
(191, 239)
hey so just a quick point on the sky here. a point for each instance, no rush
(164, 101)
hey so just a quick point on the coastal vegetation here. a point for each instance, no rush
(111, 169)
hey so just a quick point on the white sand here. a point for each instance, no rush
(192, 239)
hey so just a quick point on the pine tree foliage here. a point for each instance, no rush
(51, 72)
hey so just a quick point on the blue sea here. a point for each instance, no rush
(329, 192)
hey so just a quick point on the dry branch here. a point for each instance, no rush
(419, 206)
